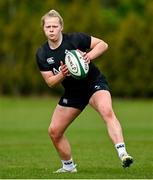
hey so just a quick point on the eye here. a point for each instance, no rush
(47, 27)
(55, 26)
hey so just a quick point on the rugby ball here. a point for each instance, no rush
(77, 66)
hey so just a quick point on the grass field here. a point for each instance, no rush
(26, 150)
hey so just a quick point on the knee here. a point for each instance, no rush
(107, 113)
(54, 133)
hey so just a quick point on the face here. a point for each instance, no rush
(52, 28)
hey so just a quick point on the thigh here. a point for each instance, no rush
(62, 117)
(101, 100)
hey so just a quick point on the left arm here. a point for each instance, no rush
(98, 47)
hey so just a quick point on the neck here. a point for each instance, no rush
(55, 44)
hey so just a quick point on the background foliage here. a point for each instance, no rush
(126, 26)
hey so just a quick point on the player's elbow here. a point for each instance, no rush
(50, 83)
(105, 46)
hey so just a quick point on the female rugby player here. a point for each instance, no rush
(78, 93)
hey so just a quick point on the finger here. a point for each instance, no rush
(81, 52)
(64, 69)
(65, 72)
(87, 59)
(61, 62)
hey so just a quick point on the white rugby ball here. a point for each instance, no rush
(77, 66)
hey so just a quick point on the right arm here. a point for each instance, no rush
(53, 80)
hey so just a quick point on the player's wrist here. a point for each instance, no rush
(61, 74)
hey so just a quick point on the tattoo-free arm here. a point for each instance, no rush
(53, 80)
(98, 47)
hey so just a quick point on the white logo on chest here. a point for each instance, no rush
(50, 60)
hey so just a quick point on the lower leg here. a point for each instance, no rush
(62, 146)
(116, 135)
(61, 119)
(101, 101)
(64, 150)
(114, 129)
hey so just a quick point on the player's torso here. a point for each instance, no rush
(53, 58)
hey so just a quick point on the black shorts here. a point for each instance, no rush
(80, 99)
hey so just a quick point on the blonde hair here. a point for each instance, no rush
(52, 13)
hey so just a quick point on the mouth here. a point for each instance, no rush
(51, 35)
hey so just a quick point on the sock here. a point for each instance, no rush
(68, 164)
(120, 147)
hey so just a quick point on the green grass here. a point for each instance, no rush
(26, 150)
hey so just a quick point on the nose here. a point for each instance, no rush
(51, 29)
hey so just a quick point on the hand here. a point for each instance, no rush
(64, 69)
(85, 56)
